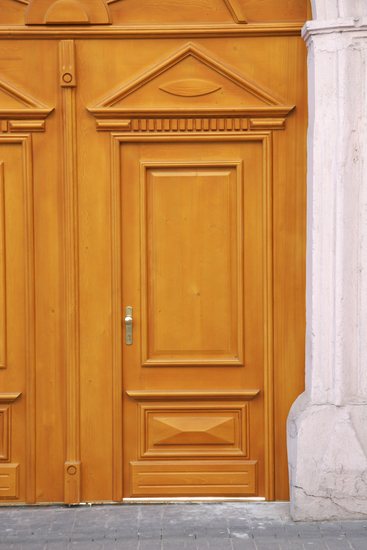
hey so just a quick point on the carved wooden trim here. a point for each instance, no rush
(9, 481)
(192, 395)
(9, 397)
(236, 11)
(27, 125)
(26, 143)
(267, 123)
(5, 431)
(268, 318)
(2, 273)
(67, 64)
(266, 138)
(235, 357)
(202, 55)
(236, 411)
(28, 117)
(67, 12)
(6, 400)
(284, 28)
(71, 280)
(116, 316)
(189, 124)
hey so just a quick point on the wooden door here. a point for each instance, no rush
(194, 247)
(152, 156)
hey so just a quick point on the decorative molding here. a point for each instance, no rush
(192, 395)
(22, 118)
(67, 12)
(266, 138)
(25, 141)
(29, 108)
(3, 337)
(190, 88)
(110, 115)
(236, 11)
(116, 316)
(6, 400)
(5, 430)
(231, 354)
(205, 57)
(285, 28)
(67, 64)
(201, 429)
(267, 123)
(9, 481)
(9, 397)
(330, 26)
(71, 279)
(268, 319)
(193, 478)
(191, 125)
(72, 474)
(26, 126)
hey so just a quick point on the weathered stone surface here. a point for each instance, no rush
(327, 426)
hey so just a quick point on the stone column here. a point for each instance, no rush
(327, 425)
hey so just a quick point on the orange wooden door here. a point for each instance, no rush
(194, 250)
(152, 157)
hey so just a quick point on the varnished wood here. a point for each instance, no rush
(192, 395)
(187, 430)
(193, 478)
(6, 427)
(2, 272)
(236, 11)
(241, 87)
(116, 318)
(9, 481)
(216, 66)
(259, 170)
(164, 339)
(9, 397)
(75, 12)
(163, 31)
(67, 64)
(72, 482)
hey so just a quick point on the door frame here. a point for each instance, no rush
(116, 139)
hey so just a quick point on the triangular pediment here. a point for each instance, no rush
(16, 104)
(190, 80)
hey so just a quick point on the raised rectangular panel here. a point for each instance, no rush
(180, 430)
(9, 481)
(192, 430)
(4, 432)
(204, 478)
(2, 272)
(192, 268)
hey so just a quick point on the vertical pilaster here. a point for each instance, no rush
(327, 425)
(68, 84)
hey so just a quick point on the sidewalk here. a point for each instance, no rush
(219, 526)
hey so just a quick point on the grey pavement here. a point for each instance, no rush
(191, 526)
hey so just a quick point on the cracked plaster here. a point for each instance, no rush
(327, 425)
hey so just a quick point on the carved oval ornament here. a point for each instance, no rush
(190, 88)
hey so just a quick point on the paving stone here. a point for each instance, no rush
(199, 526)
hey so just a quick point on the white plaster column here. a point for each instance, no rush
(327, 425)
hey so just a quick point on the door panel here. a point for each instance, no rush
(196, 284)
(191, 263)
(200, 197)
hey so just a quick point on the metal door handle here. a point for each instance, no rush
(129, 326)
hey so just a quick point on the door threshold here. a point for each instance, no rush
(193, 499)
